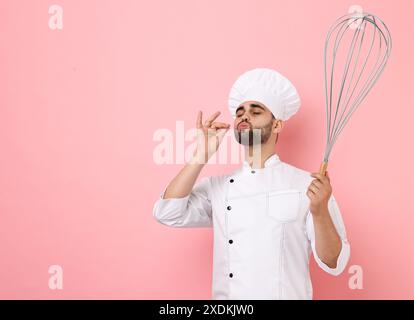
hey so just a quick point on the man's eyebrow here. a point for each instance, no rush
(239, 108)
(252, 105)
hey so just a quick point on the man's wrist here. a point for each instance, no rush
(198, 160)
(320, 213)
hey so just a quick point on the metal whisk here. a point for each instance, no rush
(357, 48)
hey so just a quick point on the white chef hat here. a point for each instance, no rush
(268, 87)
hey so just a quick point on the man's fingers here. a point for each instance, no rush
(313, 188)
(199, 122)
(212, 118)
(317, 184)
(320, 177)
(219, 125)
(310, 194)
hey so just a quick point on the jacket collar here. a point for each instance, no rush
(272, 161)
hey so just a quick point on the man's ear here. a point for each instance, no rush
(277, 125)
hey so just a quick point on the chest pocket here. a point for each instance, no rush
(284, 205)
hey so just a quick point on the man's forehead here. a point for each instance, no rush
(252, 104)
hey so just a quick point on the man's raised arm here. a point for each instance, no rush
(185, 203)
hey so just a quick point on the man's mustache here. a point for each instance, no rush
(244, 122)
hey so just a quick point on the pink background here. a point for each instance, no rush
(79, 107)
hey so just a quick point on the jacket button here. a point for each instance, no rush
(229, 208)
(231, 275)
(230, 241)
(231, 180)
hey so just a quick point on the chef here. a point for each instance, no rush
(268, 216)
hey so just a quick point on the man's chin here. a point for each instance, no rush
(248, 144)
(245, 137)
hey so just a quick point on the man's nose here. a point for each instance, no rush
(245, 117)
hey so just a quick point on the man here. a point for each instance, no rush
(267, 216)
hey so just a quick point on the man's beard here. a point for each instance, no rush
(254, 136)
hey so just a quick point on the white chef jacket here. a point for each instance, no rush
(263, 230)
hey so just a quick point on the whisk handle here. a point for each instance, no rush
(323, 167)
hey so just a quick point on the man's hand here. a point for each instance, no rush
(328, 243)
(209, 136)
(319, 192)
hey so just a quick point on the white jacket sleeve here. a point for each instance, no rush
(340, 228)
(193, 210)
